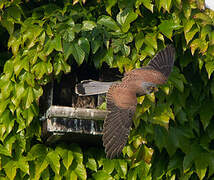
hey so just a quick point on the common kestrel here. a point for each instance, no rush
(122, 97)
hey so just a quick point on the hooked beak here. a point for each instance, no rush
(155, 89)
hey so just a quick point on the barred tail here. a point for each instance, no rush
(91, 87)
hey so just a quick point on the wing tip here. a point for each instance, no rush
(163, 61)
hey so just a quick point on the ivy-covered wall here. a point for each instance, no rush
(173, 132)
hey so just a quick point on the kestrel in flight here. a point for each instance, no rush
(122, 97)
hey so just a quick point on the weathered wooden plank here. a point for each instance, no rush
(76, 113)
(66, 125)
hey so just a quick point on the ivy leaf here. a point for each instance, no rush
(139, 39)
(95, 45)
(8, 25)
(20, 120)
(4, 151)
(162, 115)
(211, 164)
(29, 97)
(7, 121)
(37, 151)
(204, 18)
(121, 167)
(108, 58)
(19, 92)
(88, 25)
(38, 91)
(22, 64)
(177, 139)
(201, 172)
(29, 114)
(60, 65)
(151, 40)
(100, 175)
(109, 4)
(210, 68)
(14, 12)
(168, 26)
(91, 164)
(187, 9)
(160, 135)
(14, 42)
(206, 112)
(97, 59)
(182, 117)
(68, 34)
(77, 152)
(42, 68)
(175, 162)
(23, 165)
(190, 34)
(67, 156)
(58, 43)
(53, 159)
(125, 17)
(84, 44)
(200, 44)
(40, 166)
(195, 155)
(8, 69)
(188, 25)
(108, 22)
(78, 53)
(178, 84)
(45, 174)
(166, 4)
(189, 158)
(108, 165)
(31, 33)
(28, 77)
(147, 3)
(6, 88)
(205, 31)
(159, 167)
(132, 174)
(10, 169)
(67, 50)
(49, 47)
(177, 79)
(3, 105)
(39, 69)
(72, 175)
(81, 171)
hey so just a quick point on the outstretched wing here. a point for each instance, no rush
(121, 101)
(163, 61)
(158, 68)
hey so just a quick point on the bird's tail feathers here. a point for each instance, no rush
(91, 87)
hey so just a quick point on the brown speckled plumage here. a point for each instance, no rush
(122, 99)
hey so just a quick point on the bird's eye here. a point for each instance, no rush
(152, 89)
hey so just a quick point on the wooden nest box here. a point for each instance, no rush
(68, 117)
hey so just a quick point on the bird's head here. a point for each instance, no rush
(149, 87)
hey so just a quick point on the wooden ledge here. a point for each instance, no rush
(76, 113)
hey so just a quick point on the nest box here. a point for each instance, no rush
(68, 117)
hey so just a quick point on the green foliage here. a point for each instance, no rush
(172, 137)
